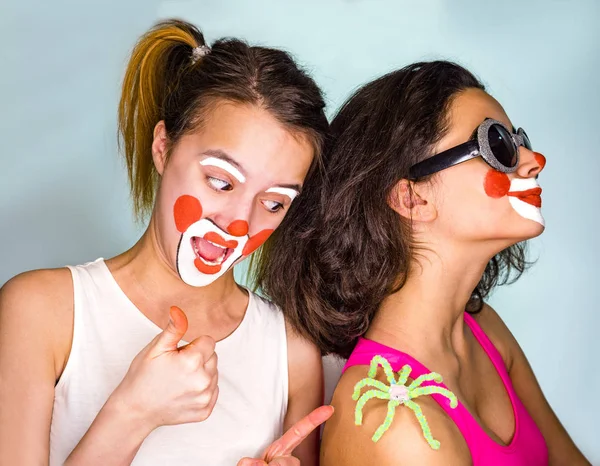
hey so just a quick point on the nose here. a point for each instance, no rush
(234, 215)
(238, 228)
(531, 163)
(237, 218)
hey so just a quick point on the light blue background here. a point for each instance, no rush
(63, 193)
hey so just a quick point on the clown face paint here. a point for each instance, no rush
(524, 194)
(224, 165)
(205, 252)
(289, 192)
(525, 197)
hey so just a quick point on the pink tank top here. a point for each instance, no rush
(527, 447)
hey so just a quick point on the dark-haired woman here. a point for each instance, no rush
(431, 192)
(96, 365)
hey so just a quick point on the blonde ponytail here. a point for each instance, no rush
(149, 79)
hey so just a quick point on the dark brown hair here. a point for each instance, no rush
(164, 82)
(343, 250)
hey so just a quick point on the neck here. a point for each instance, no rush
(428, 309)
(147, 269)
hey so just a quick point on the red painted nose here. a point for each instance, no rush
(540, 159)
(238, 228)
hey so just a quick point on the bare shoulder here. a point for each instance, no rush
(402, 444)
(36, 307)
(38, 292)
(497, 331)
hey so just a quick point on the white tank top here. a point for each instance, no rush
(109, 331)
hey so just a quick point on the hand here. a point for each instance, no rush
(279, 453)
(167, 385)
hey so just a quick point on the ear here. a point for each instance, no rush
(160, 147)
(410, 200)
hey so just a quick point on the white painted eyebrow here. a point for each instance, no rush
(291, 193)
(223, 164)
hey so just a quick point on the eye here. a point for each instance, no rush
(218, 184)
(273, 206)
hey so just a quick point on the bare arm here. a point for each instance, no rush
(403, 444)
(562, 450)
(35, 327)
(305, 392)
(114, 438)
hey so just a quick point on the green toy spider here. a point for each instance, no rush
(398, 394)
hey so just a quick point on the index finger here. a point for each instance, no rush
(298, 432)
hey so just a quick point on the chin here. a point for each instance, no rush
(523, 229)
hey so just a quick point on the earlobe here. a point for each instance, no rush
(409, 203)
(160, 147)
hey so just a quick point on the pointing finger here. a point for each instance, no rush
(298, 432)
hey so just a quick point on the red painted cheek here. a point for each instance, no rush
(187, 210)
(238, 228)
(540, 159)
(496, 184)
(256, 241)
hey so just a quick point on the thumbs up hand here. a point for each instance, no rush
(167, 385)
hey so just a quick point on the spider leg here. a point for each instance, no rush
(380, 360)
(368, 382)
(431, 389)
(403, 374)
(358, 415)
(433, 443)
(425, 378)
(392, 404)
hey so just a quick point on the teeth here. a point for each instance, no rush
(219, 261)
(215, 244)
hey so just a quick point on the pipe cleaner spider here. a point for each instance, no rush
(398, 394)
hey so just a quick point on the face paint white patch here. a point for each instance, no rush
(186, 254)
(525, 209)
(291, 193)
(224, 165)
(523, 184)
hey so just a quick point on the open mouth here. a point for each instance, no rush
(212, 250)
(531, 196)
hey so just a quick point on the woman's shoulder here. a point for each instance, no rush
(44, 289)
(38, 305)
(344, 442)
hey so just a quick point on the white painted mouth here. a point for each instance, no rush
(188, 253)
(523, 184)
(524, 209)
(527, 211)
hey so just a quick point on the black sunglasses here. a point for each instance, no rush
(494, 142)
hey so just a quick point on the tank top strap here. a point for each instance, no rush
(489, 348)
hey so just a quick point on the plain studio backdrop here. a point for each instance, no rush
(63, 192)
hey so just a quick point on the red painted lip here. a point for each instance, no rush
(531, 196)
(205, 268)
(217, 239)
